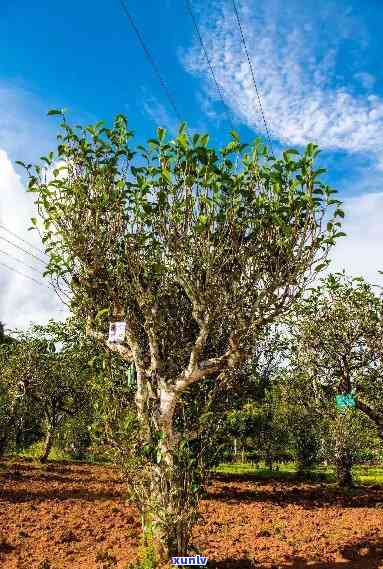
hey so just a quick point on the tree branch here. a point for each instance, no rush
(375, 417)
(124, 351)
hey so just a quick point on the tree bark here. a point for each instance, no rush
(48, 444)
(376, 417)
(343, 463)
(168, 505)
(343, 454)
(3, 444)
(4, 436)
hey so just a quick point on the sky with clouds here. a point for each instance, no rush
(317, 66)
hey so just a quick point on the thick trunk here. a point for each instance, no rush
(173, 512)
(269, 460)
(343, 453)
(343, 463)
(4, 436)
(168, 504)
(48, 444)
(3, 444)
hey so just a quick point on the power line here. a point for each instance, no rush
(199, 35)
(22, 274)
(21, 262)
(22, 249)
(253, 75)
(21, 239)
(51, 285)
(151, 60)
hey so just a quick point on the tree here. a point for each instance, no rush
(303, 415)
(337, 331)
(196, 251)
(53, 381)
(12, 394)
(4, 339)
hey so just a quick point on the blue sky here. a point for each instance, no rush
(86, 58)
(318, 68)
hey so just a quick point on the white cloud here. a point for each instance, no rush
(366, 79)
(360, 253)
(24, 135)
(295, 62)
(21, 300)
(158, 113)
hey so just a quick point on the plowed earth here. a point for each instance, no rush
(74, 516)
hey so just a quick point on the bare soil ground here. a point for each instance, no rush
(74, 516)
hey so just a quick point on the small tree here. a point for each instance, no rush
(54, 382)
(12, 394)
(338, 329)
(302, 415)
(196, 251)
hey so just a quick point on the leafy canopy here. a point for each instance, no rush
(177, 235)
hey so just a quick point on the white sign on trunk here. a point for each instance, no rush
(117, 332)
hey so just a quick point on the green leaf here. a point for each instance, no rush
(161, 133)
(166, 175)
(204, 140)
(34, 220)
(102, 312)
(91, 361)
(319, 172)
(55, 112)
(182, 128)
(320, 267)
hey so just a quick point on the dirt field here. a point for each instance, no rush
(74, 516)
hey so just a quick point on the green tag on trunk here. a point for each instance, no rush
(345, 400)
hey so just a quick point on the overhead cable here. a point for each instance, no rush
(21, 239)
(151, 59)
(199, 35)
(253, 75)
(22, 274)
(24, 250)
(20, 261)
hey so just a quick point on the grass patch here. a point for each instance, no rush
(35, 451)
(363, 474)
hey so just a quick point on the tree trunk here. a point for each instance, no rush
(3, 444)
(48, 444)
(343, 463)
(343, 452)
(173, 513)
(4, 436)
(167, 502)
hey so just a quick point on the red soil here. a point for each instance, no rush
(74, 516)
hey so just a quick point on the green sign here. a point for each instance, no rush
(345, 400)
